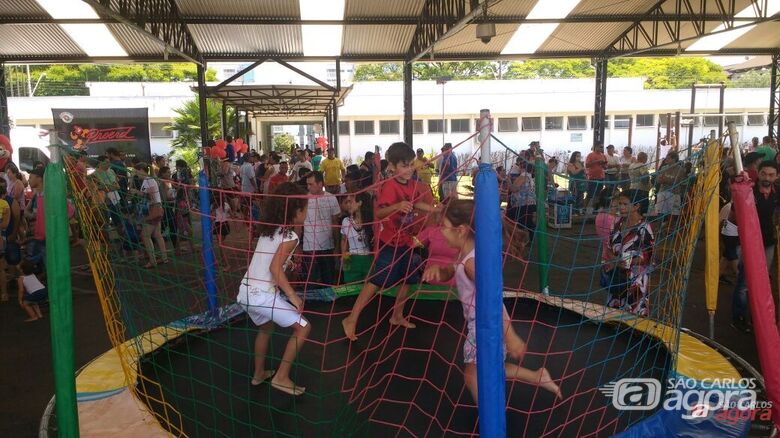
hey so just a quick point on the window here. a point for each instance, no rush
(156, 130)
(364, 127)
(756, 120)
(576, 122)
(344, 128)
(417, 127)
(622, 121)
(435, 126)
(532, 123)
(711, 120)
(506, 124)
(29, 156)
(459, 125)
(737, 119)
(694, 121)
(553, 123)
(389, 127)
(645, 120)
(664, 120)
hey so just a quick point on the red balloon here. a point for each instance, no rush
(221, 144)
(243, 148)
(218, 153)
(6, 150)
(322, 141)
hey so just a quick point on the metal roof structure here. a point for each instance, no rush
(379, 30)
(279, 100)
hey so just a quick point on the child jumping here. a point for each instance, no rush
(397, 200)
(259, 292)
(458, 232)
(31, 292)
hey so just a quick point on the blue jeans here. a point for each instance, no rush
(739, 303)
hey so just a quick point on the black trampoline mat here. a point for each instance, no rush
(395, 382)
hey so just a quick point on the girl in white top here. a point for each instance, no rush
(260, 292)
(31, 292)
(458, 233)
(151, 228)
(355, 240)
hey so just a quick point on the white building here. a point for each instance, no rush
(555, 112)
(270, 72)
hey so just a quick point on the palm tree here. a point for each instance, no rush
(187, 123)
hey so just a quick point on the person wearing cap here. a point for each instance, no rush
(422, 167)
(333, 171)
(448, 174)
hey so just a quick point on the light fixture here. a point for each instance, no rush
(530, 36)
(325, 39)
(95, 39)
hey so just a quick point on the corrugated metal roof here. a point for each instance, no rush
(512, 8)
(376, 39)
(134, 42)
(466, 41)
(36, 40)
(239, 8)
(761, 35)
(383, 8)
(582, 36)
(600, 7)
(240, 38)
(24, 8)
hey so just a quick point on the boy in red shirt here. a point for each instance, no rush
(279, 177)
(399, 199)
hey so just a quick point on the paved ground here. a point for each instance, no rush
(26, 382)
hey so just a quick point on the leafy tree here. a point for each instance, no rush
(389, 71)
(428, 71)
(667, 73)
(187, 123)
(551, 69)
(752, 79)
(283, 142)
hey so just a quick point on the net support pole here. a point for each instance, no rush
(491, 378)
(540, 234)
(711, 230)
(60, 295)
(209, 261)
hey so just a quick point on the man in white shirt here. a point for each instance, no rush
(301, 163)
(625, 161)
(613, 165)
(247, 174)
(319, 261)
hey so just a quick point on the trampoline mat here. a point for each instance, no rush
(406, 382)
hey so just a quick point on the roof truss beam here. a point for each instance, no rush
(665, 19)
(439, 18)
(158, 19)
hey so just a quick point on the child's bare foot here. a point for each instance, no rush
(265, 375)
(403, 322)
(349, 328)
(287, 386)
(546, 382)
(515, 347)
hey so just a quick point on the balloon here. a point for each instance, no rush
(218, 153)
(6, 150)
(221, 144)
(322, 142)
(243, 148)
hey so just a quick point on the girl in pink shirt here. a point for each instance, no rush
(457, 230)
(440, 253)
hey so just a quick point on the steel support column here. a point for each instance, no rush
(722, 109)
(408, 114)
(236, 123)
(336, 108)
(5, 126)
(600, 109)
(246, 127)
(774, 99)
(204, 123)
(224, 120)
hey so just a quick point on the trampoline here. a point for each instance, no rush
(397, 382)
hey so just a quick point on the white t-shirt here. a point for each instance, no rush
(300, 165)
(152, 190)
(356, 241)
(612, 160)
(222, 213)
(729, 228)
(32, 284)
(318, 226)
(259, 273)
(247, 173)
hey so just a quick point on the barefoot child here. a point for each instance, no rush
(398, 198)
(458, 232)
(260, 288)
(31, 292)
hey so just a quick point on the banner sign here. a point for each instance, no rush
(95, 130)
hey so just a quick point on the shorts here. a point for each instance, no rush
(38, 296)
(470, 347)
(395, 265)
(730, 248)
(667, 202)
(263, 306)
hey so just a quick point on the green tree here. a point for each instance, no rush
(283, 142)
(428, 71)
(752, 79)
(389, 71)
(551, 69)
(666, 73)
(187, 123)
